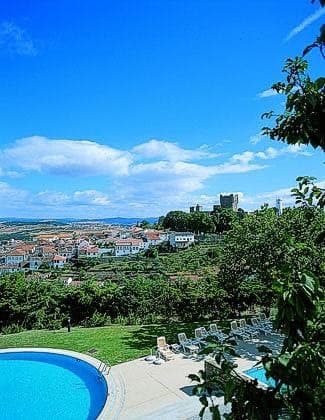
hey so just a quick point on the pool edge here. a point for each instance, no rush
(109, 406)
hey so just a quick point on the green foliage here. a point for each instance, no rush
(180, 286)
(303, 121)
(256, 251)
(176, 220)
(308, 194)
(220, 220)
(97, 319)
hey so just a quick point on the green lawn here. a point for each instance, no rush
(116, 343)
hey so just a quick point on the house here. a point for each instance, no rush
(181, 240)
(10, 268)
(92, 252)
(67, 251)
(128, 247)
(153, 238)
(58, 261)
(47, 251)
(16, 257)
(83, 244)
(35, 263)
(27, 248)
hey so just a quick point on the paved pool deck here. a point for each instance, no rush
(144, 391)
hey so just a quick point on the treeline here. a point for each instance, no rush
(32, 304)
(218, 221)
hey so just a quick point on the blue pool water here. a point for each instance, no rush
(51, 386)
(259, 374)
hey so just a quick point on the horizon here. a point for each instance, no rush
(114, 110)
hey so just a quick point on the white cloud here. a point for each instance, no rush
(16, 40)
(256, 138)
(267, 93)
(171, 151)
(91, 197)
(66, 157)
(77, 198)
(271, 153)
(9, 174)
(10, 196)
(305, 23)
(144, 181)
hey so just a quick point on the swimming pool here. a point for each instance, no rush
(259, 374)
(38, 385)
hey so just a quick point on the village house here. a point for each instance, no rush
(179, 240)
(130, 246)
(67, 252)
(15, 257)
(35, 263)
(153, 238)
(11, 268)
(90, 252)
(58, 261)
(46, 251)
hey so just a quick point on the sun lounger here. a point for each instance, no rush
(247, 329)
(237, 332)
(215, 332)
(205, 333)
(163, 349)
(260, 327)
(264, 320)
(188, 346)
(199, 337)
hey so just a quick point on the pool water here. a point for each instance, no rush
(259, 374)
(40, 385)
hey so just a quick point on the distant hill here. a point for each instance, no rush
(110, 220)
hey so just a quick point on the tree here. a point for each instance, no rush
(176, 220)
(200, 222)
(224, 219)
(144, 224)
(303, 121)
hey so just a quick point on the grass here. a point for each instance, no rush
(114, 344)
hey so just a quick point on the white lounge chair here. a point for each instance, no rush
(163, 349)
(247, 328)
(260, 327)
(199, 337)
(188, 346)
(205, 333)
(215, 332)
(264, 320)
(237, 332)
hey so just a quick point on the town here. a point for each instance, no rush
(68, 243)
(32, 246)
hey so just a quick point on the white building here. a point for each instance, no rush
(58, 261)
(130, 246)
(67, 252)
(92, 252)
(34, 263)
(279, 206)
(153, 238)
(11, 268)
(181, 239)
(15, 258)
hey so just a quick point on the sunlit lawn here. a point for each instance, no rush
(116, 343)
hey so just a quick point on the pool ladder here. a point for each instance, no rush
(104, 368)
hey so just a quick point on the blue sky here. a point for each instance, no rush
(135, 108)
